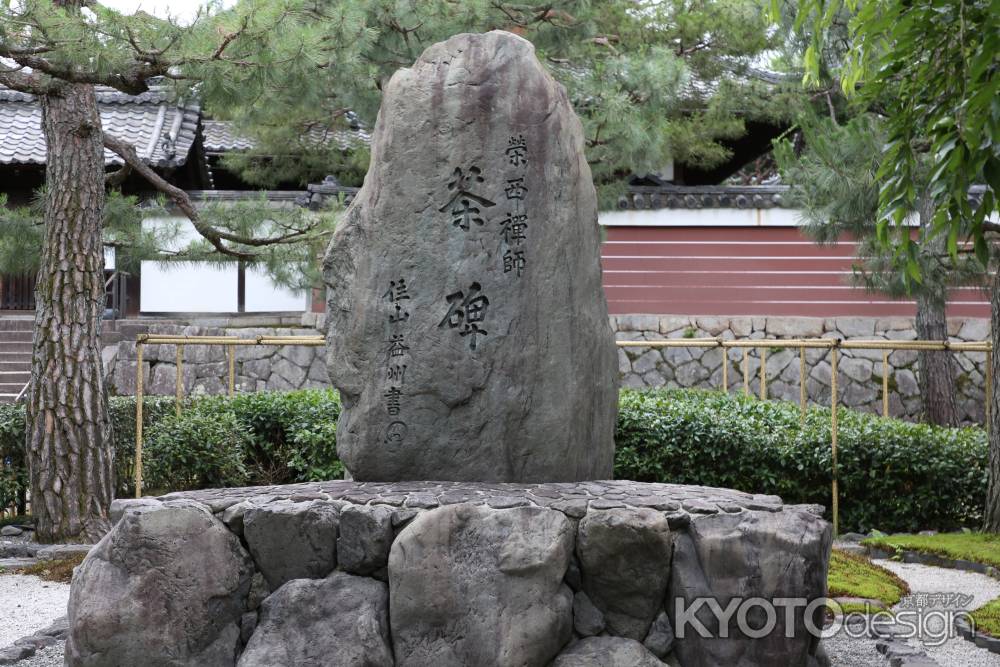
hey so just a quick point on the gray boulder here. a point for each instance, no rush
(607, 652)
(625, 562)
(660, 639)
(467, 328)
(338, 621)
(748, 555)
(365, 538)
(470, 585)
(292, 540)
(166, 587)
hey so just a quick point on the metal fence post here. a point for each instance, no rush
(138, 419)
(802, 384)
(763, 373)
(885, 383)
(746, 371)
(725, 369)
(833, 440)
(231, 351)
(180, 380)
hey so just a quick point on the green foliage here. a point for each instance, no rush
(651, 80)
(857, 577)
(262, 438)
(13, 467)
(198, 450)
(976, 547)
(893, 475)
(931, 68)
(987, 618)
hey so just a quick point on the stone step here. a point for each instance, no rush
(8, 398)
(17, 323)
(23, 347)
(15, 336)
(11, 387)
(18, 366)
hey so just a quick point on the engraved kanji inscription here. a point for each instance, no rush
(397, 292)
(396, 373)
(512, 228)
(517, 151)
(397, 346)
(467, 310)
(392, 400)
(464, 204)
(514, 261)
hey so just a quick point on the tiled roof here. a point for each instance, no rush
(641, 197)
(161, 130)
(220, 137)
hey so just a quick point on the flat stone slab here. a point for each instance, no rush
(453, 573)
(571, 498)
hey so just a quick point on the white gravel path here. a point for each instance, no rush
(956, 652)
(28, 604)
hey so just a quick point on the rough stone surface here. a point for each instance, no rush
(292, 540)
(606, 652)
(730, 556)
(496, 581)
(341, 620)
(625, 560)
(479, 573)
(166, 587)
(497, 361)
(660, 639)
(365, 538)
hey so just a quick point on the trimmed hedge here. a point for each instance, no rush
(894, 475)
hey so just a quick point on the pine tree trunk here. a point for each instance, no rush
(69, 430)
(936, 369)
(993, 493)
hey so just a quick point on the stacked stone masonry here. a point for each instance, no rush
(444, 574)
(860, 381)
(205, 368)
(860, 371)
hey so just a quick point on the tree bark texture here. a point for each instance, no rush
(992, 524)
(936, 369)
(69, 448)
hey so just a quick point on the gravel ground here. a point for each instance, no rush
(844, 651)
(50, 656)
(28, 604)
(956, 652)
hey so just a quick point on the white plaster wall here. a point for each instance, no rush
(187, 287)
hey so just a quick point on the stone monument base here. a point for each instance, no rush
(466, 574)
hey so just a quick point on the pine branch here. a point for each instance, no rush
(217, 238)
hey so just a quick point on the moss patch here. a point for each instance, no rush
(60, 571)
(857, 577)
(976, 547)
(987, 618)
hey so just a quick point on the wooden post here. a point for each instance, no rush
(231, 351)
(802, 384)
(138, 420)
(885, 383)
(833, 440)
(179, 380)
(763, 373)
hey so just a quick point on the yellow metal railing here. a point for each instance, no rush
(762, 345)
(833, 345)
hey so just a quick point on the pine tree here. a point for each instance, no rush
(932, 69)
(833, 182)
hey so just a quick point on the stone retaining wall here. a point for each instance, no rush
(205, 368)
(859, 380)
(447, 574)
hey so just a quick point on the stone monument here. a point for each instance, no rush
(467, 326)
(470, 342)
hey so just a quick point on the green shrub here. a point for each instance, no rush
(893, 475)
(13, 467)
(197, 450)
